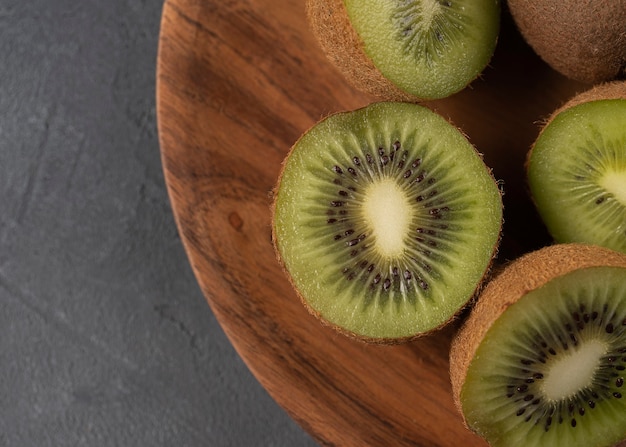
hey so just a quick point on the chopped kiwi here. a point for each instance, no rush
(425, 49)
(583, 40)
(386, 220)
(577, 172)
(542, 358)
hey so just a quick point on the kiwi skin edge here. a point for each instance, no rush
(605, 90)
(341, 44)
(358, 337)
(515, 280)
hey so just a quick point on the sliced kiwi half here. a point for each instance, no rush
(386, 219)
(577, 169)
(407, 49)
(541, 360)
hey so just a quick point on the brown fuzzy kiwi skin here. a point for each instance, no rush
(584, 40)
(606, 90)
(516, 279)
(330, 24)
(339, 329)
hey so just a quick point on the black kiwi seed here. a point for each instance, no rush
(548, 423)
(591, 403)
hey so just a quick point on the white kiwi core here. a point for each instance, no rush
(387, 212)
(430, 10)
(573, 372)
(615, 183)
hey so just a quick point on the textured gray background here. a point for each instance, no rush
(105, 338)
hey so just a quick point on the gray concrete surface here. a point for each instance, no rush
(105, 338)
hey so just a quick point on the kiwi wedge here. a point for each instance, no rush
(410, 49)
(541, 359)
(385, 219)
(583, 40)
(577, 169)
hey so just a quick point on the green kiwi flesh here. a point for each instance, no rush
(428, 48)
(385, 219)
(577, 174)
(550, 370)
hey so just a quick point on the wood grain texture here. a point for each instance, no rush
(237, 83)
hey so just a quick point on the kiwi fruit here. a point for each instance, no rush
(577, 169)
(407, 50)
(582, 39)
(541, 359)
(386, 220)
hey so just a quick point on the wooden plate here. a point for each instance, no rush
(237, 83)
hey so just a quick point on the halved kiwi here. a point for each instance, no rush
(386, 219)
(407, 50)
(577, 169)
(541, 360)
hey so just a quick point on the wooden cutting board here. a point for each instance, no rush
(237, 83)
